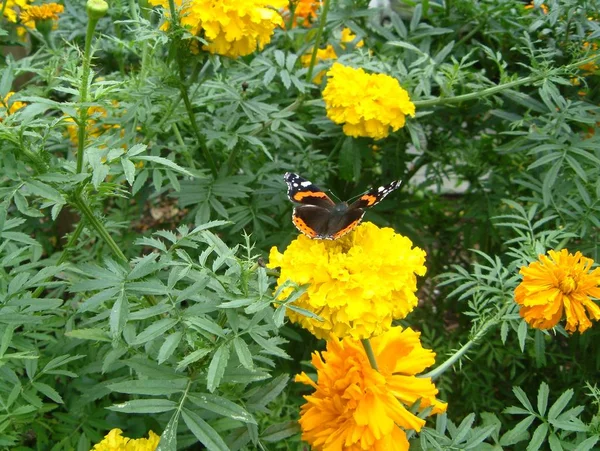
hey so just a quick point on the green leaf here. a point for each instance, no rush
(542, 399)
(518, 433)
(522, 335)
(243, 352)
(203, 431)
(46, 191)
(169, 346)
(538, 437)
(560, 404)
(168, 439)
(48, 391)
(276, 433)
(587, 444)
(191, 358)
(221, 406)
(119, 314)
(217, 366)
(164, 162)
(89, 334)
(154, 330)
(144, 406)
(151, 387)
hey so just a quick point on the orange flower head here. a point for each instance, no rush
(557, 285)
(305, 12)
(357, 408)
(37, 13)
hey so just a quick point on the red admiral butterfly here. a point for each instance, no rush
(319, 217)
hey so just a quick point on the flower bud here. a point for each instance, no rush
(96, 9)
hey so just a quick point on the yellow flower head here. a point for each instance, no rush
(367, 104)
(12, 8)
(34, 13)
(10, 107)
(359, 283)
(305, 12)
(543, 7)
(232, 27)
(592, 66)
(355, 407)
(114, 441)
(328, 53)
(560, 283)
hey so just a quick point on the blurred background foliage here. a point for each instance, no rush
(504, 112)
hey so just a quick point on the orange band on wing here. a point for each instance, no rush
(346, 230)
(302, 194)
(370, 199)
(305, 229)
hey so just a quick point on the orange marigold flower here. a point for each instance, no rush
(543, 7)
(232, 28)
(114, 441)
(560, 283)
(305, 12)
(591, 66)
(355, 407)
(34, 13)
(11, 107)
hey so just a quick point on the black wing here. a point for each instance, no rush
(374, 196)
(303, 191)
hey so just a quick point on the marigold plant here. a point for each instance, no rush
(367, 104)
(355, 407)
(358, 283)
(557, 284)
(232, 28)
(114, 441)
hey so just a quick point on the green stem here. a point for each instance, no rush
(36, 160)
(184, 94)
(495, 320)
(322, 23)
(370, 354)
(4, 2)
(63, 257)
(91, 218)
(83, 92)
(498, 88)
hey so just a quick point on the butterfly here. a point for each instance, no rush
(319, 217)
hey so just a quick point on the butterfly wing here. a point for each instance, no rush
(373, 197)
(304, 192)
(312, 221)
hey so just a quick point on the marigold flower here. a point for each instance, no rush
(590, 67)
(232, 27)
(12, 8)
(355, 407)
(11, 107)
(38, 13)
(559, 284)
(328, 53)
(114, 441)
(305, 12)
(367, 104)
(359, 283)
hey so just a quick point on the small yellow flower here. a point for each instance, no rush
(328, 53)
(359, 283)
(560, 283)
(232, 28)
(592, 66)
(34, 13)
(11, 107)
(305, 12)
(543, 7)
(367, 104)
(355, 407)
(114, 441)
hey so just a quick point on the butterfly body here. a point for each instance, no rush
(319, 217)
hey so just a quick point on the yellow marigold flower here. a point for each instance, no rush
(114, 441)
(592, 66)
(34, 13)
(560, 283)
(367, 104)
(305, 12)
(11, 107)
(348, 36)
(355, 407)
(359, 283)
(13, 7)
(232, 27)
